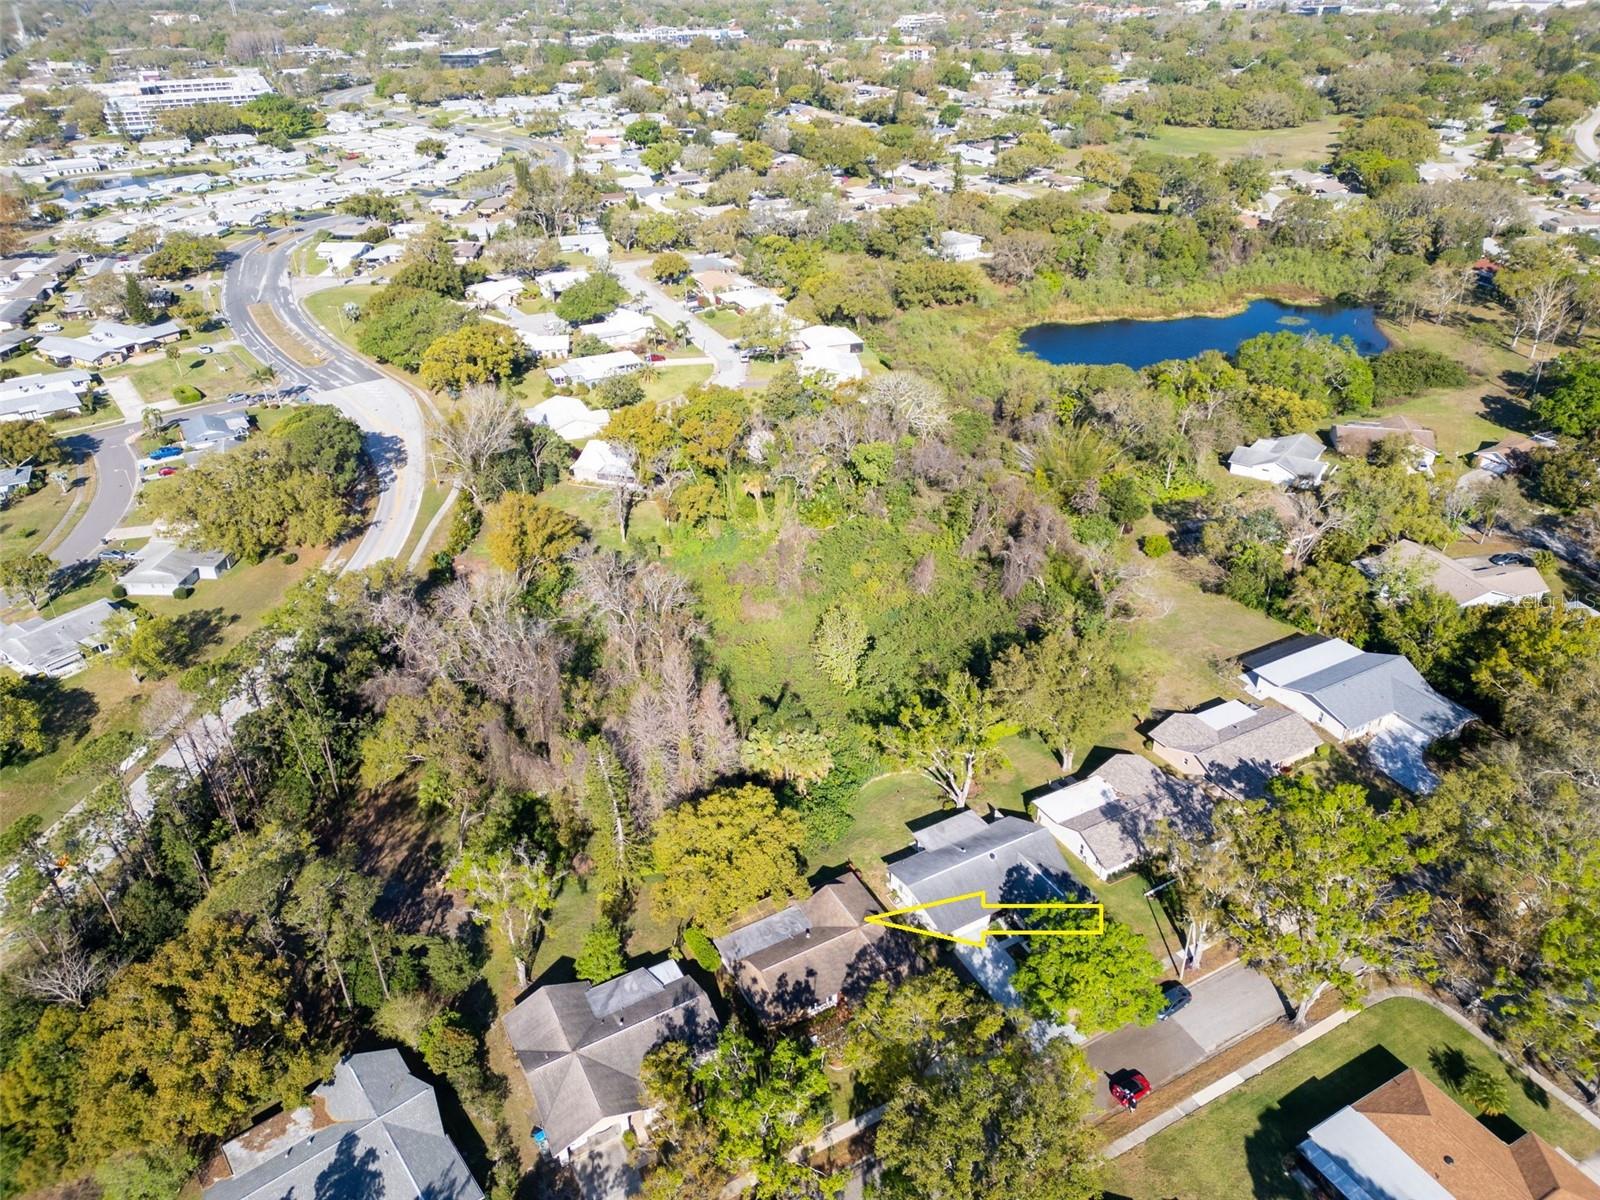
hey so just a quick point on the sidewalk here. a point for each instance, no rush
(1327, 1025)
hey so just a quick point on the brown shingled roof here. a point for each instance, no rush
(1467, 1159)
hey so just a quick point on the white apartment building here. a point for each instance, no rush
(133, 106)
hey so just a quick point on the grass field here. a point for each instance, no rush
(326, 308)
(1282, 147)
(1235, 1146)
(216, 375)
(27, 522)
(1483, 412)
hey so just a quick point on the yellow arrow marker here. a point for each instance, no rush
(885, 919)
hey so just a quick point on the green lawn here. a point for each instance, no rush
(25, 523)
(1283, 147)
(886, 804)
(1235, 1146)
(327, 308)
(216, 375)
(104, 697)
(1484, 411)
(674, 381)
(1179, 650)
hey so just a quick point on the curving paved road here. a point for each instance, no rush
(1583, 136)
(387, 410)
(731, 369)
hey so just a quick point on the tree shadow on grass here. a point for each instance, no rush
(1284, 1125)
(67, 711)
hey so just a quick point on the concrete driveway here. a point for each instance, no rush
(1227, 1006)
(731, 369)
(602, 1172)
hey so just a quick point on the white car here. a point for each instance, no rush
(205, 349)
(49, 327)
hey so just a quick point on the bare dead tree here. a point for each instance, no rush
(476, 430)
(917, 404)
(67, 974)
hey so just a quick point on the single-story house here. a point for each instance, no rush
(552, 283)
(1510, 455)
(1469, 581)
(107, 341)
(1292, 461)
(373, 1131)
(1108, 818)
(960, 247)
(624, 329)
(39, 406)
(55, 646)
(751, 298)
(1238, 746)
(1008, 859)
(595, 368)
(592, 244)
(341, 256)
(1355, 439)
(601, 463)
(14, 480)
(581, 1047)
(42, 396)
(839, 366)
(828, 337)
(164, 567)
(495, 293)
(212, 429)
(814, 954)
(1352, 694)
(1408, 1140)
(568, 417)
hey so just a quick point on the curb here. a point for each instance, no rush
(1327, 1025)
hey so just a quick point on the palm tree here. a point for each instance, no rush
(263, 374)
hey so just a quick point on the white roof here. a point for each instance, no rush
(569, 417)
(841, 364)
(602, 462)
(821, 337)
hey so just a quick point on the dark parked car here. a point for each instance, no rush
(1128, 1088)
(1511, 559)
(166, 452)
(1177, 998)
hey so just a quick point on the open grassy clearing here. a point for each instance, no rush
(226, 370)
(1235, 1146)
(27, 521)
(1488, 408)
(1311, 142)
(327, 308)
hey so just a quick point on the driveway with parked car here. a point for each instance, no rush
(1223, 1008)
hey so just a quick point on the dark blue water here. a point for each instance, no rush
(1140, 343)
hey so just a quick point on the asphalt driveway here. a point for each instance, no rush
(1227, 1006)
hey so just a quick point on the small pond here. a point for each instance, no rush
(1140, 343)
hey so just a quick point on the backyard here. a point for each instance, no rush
(1235, 1147)
(104, 698)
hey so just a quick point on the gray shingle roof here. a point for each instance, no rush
(372, 1134)
(1299, 454)
(1010, 860)
(580, 1047)
(1368, 687)
(1243, 755)
(1143, 795)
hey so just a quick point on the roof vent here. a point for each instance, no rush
(1449, 1161)
(991, 856)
